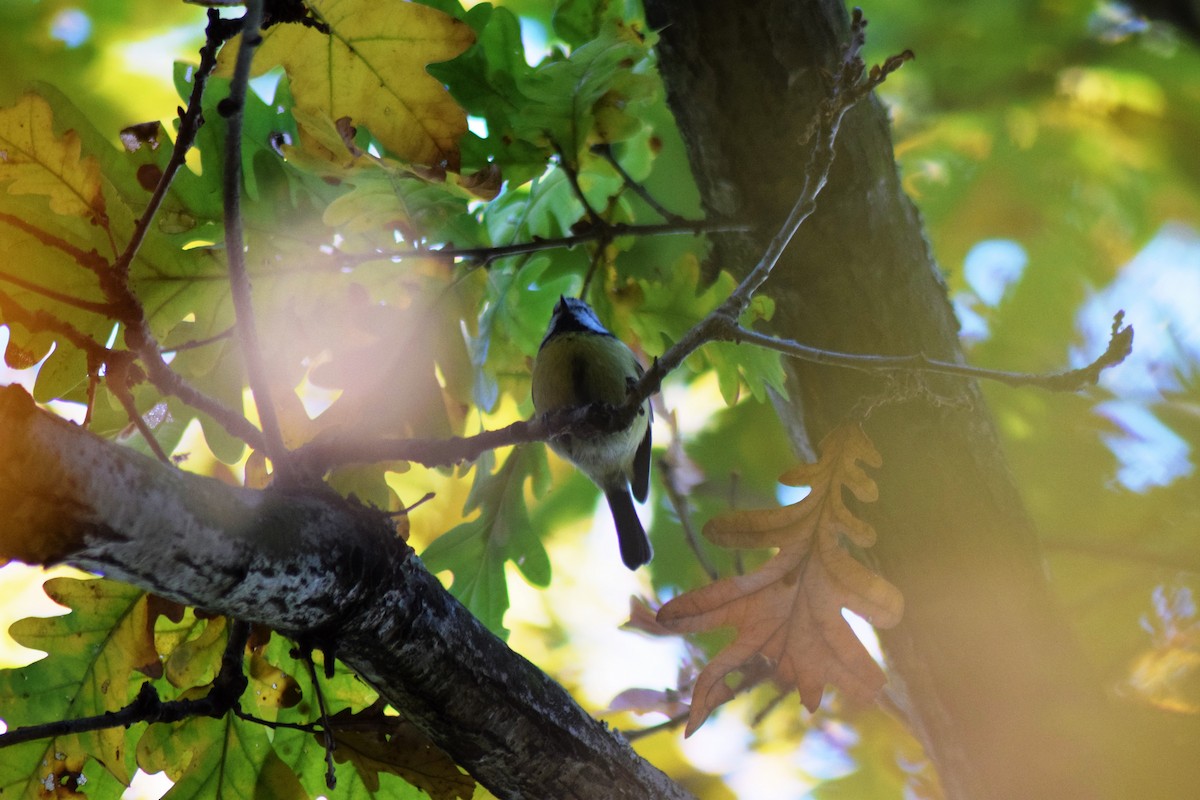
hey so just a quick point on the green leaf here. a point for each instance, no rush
(225, 757)
(476, 551)
(94, 654)
(606, 83)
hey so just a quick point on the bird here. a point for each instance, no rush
(580, 362)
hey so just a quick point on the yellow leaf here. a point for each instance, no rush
(370, 67)
(789, 612)
(34, 161)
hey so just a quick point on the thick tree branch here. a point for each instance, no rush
(318, 568)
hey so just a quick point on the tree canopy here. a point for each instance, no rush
(309, 250)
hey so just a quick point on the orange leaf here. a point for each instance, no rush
(790, 610)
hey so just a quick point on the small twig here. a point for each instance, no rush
(1119, 347)
(326, 731)
(146, 707)
(197, 343)
(425, 498)
(848, 88)
(605, 151)
(568, 168)
(120, 389)
(328, 451)
(227, 689)
(486, 255)
(669, 724)
(218, 31)
(683, 511)
(233, 107)
(41, 320)
(306, 727)
(593, 266)
(677, 494)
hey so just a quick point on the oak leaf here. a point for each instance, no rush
(370, 68)
(789, 612)
(35, 161)
(376, 743)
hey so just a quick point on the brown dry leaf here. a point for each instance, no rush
(790, 611)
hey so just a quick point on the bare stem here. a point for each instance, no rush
(1119, 346)
(191, 119)
(486, 255)
(235, 246)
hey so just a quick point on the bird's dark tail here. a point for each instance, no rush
(635, 547)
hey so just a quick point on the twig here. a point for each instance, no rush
(41, 320)
(146, 707)
(326, 731)
(327, 451)
(103, 309)
(197, 343)
(666, 725)
(680, 504)
(120, 389)
(486, 255)
(218, 31)
(605, 151)
(1119, 347)
(227, 689)
(594, 265)
(847, 87)
(235, 248)
(568, 168)
(123, 306)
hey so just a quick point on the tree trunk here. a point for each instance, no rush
(983, 663)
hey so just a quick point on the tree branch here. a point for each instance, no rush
(605, 151)
(315, 567)
(850, 84)
(233, 107)
(218, 31)
(486, 255)
(847, 87)
(1120, 345)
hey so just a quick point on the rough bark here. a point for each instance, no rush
(320, 569)
(984, 663)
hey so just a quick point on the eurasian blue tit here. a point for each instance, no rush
(579, 363)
